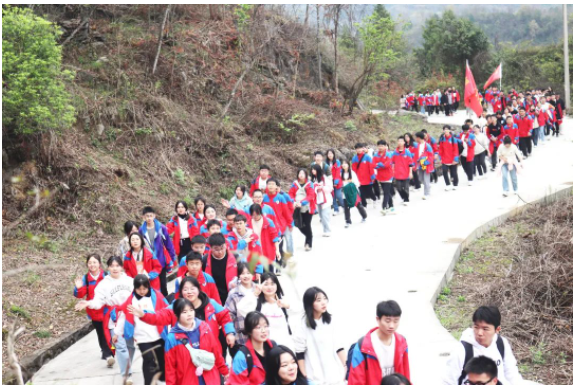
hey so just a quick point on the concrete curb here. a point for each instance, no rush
(497, 221)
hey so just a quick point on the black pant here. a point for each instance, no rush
(447, 109)
(494, 159)
(387, 190)
(556, 129)
(223, 344)
(468, 168)
(361, 209)
(415, 181)
(185, 247)
(366, 193)
(453, 169)
(403, 187)
(535, 134)
(104, 347)
(434, 176)
(306, 228)
(376, 189)
(547, 132)
(163, 283)
(526, 145)
(480, 163)
(152, 360)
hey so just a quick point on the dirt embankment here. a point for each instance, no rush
(525, 267)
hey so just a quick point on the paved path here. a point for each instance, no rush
(403, 257)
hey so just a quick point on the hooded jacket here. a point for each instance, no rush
(162, 247)
(214, 314)
(128, 324)
(310, 198)
(179, 367)
(151, 266)
(365, 368)
(207, 285)
(239, 374)
(173, 228)
(508, 372)
(362, 165)
(231, 268)
(448, 149)
(87, 289)
(402, 160)
(383, 165)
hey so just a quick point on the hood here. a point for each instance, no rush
(468, 336)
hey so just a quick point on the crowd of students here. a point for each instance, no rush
(228, 298)
(447, 101)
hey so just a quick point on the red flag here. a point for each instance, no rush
(471, 98)
(495, 76)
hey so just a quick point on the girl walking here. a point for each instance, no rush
(183, 227)
(304, 196)
(323, 188)
(139, 260)
(351, 194)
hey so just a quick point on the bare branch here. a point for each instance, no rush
(160, 35)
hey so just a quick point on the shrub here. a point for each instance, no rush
(33, 95)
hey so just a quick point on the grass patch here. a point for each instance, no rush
(19, 311)
(42, 334)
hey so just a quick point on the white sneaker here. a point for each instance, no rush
(515, 193)
(383, 212)
(447, 189)
(129, 380)
(110, 361)
(405, 203)
(391, 211)
(424, 198)
(326, 234)
(347, 225)
(307, 248)
(469, 183)
(454, 187)
(505, 194)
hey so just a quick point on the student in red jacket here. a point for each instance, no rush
(382, 161)
(424, 157)
(469, 141)
(335, 167)
(194, 269)
(382, 351)
(449, 156)
(362, 166)
(267, 233)
(243, 241)
(198, 215)
(402, 161)
(192, 336)
(304, 196)
(84, 286)
(511, 129)
(208, 310)
(525, 124)
(182, 227)
(198, 244)
(140, 260)
(277, 201)
(256, 349)
(260, 181)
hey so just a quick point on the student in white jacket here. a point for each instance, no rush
(483, 339)
(319, 349)
(323, 187)
(113, 291)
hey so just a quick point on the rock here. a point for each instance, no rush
(100, 129)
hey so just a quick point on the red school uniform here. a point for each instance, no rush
(383, 165)
(524, 124)
(87, 289)
(402, 160)
(174, 230)
(151, 266)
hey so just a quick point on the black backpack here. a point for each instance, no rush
(470, 354)
(349, 358)
(249, 360)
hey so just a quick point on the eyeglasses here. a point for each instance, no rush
(261, 328)
(468, 382)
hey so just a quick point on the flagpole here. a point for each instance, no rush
(501, 75)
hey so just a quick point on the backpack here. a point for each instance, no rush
(349, 357)
(470, 354)
(249, 360)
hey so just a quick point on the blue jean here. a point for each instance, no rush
(124, 351)
(422, 109)
(339, 199)
(289, 241)
(541, 134)
(505, 170)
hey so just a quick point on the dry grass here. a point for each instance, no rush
(524, 267)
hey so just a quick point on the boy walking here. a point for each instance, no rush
(158, 241)
(362, 165)
(382, 351)
(402, 161)
(483, 339)
(424, 162)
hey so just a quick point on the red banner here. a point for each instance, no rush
(471, 98)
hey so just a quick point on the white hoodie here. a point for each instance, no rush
(507, 371)
(112, 291)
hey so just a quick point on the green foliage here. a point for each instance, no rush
(350, 126)
(144, 131)
(242, 13)
(33, 95)
(19, 311)
(42, 334)
(296, 121)
(448, 42)
(42, 242)
(461, 299)
(32, 278)
(446, 291)
(180, 177)
(538, 354)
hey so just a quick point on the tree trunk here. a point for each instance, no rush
(160, 35)
(307, 14)
(336, 20)
(318, 46)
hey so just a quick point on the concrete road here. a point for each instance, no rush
(403, 257)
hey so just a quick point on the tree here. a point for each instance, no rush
(34, 98)
(380, 49)
(448, 42)
(333, 12)
(318, 6)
